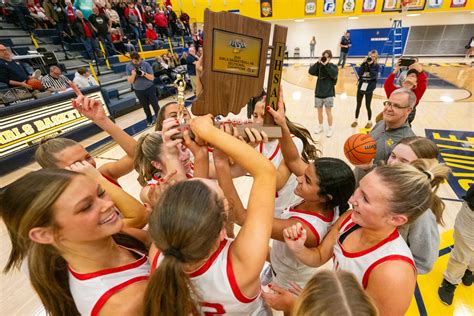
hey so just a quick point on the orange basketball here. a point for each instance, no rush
(360, 149)
(35, 83)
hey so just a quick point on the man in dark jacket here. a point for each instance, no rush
(325, 89)
(85, 32)
(56, 16)
(102, 25)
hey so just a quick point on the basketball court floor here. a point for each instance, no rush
(445, 114)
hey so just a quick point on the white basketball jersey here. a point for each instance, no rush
(285, 265)
(363, 262)
(215, 282)
(285, 196)
(92, 290)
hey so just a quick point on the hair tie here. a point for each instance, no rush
(174, 253)
(428, 174)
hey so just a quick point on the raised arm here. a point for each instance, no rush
(288, 147)
(93, 110)
(250, 248)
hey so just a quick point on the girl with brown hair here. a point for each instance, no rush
(204, 272)
(68, 229)
(366, 241)
(69, 154)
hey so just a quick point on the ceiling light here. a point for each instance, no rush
(296, 95)
(299, 20)
(414, 14)
(353, 18)
(446, 99)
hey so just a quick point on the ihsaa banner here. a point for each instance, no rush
(310, 7)
(266, 8)
(348, 6)
(329, 6)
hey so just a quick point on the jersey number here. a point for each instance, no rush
(211, 309)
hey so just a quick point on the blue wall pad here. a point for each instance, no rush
(364, 40)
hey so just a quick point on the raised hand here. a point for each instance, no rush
(295, 237)
(91, 108)
(279, 298)
(85, 168)
(171, 128)
(279, 114)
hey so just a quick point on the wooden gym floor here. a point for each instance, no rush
(444, 114)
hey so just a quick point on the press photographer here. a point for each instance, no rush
(367, 73)
(140, 76)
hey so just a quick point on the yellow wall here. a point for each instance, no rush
(289, 9)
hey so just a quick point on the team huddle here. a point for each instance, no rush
(191, 246)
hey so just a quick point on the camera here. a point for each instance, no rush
(323, 59)
(369, 59)
(139, 71)
(406, 62)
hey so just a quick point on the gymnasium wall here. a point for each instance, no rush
(295, 9)
(328, 31)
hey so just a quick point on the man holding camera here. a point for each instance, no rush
(415, 80)
(140, 76)
(325, 89)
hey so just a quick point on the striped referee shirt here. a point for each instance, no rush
(55, 84)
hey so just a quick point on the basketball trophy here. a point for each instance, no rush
(234, 61)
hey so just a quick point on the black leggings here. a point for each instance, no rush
(368, 101)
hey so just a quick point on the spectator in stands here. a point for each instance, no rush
(56, 16)
(149, 15)
(415, 80)
(102, 25)
(191, 66)
(101, 5)
(112, 15)
(172, 20)
(158, 68)
(162, 24)
(55, 81)
(85, 6)
(183, 58)
(21, 11)
(120, 7)
(120, 42)
(38, 14)
(140, 75)
(83, 78)
(70, 12)
(151, 37)
(134, 18)
(184, 18)
(12, 72)
(85, 32)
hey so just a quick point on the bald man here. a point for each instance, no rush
(55, 81)
(12, 72)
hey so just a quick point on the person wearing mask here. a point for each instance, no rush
(102, 26)
(84, 30)
(368, 73)
(55, 81)
(325, 89)
(415, 79)
(345, 44)
(140, 76)
(84, 79)
(191, 66)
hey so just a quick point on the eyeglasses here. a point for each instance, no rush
(394, 105)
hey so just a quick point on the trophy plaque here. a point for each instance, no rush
(235, 56)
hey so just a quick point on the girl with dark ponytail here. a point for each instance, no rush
(196, 269)
(68, 230)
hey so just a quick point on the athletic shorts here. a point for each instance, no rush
(326, 102)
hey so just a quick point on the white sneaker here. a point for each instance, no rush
(329, 132)
(36, 74)
(318, 130)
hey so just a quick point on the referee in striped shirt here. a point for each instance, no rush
(55, 81)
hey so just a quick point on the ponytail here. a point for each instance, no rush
(148, 150)
(414, 187)
(169, 290)
(45, 154)
(436, 174)
(310, 152)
